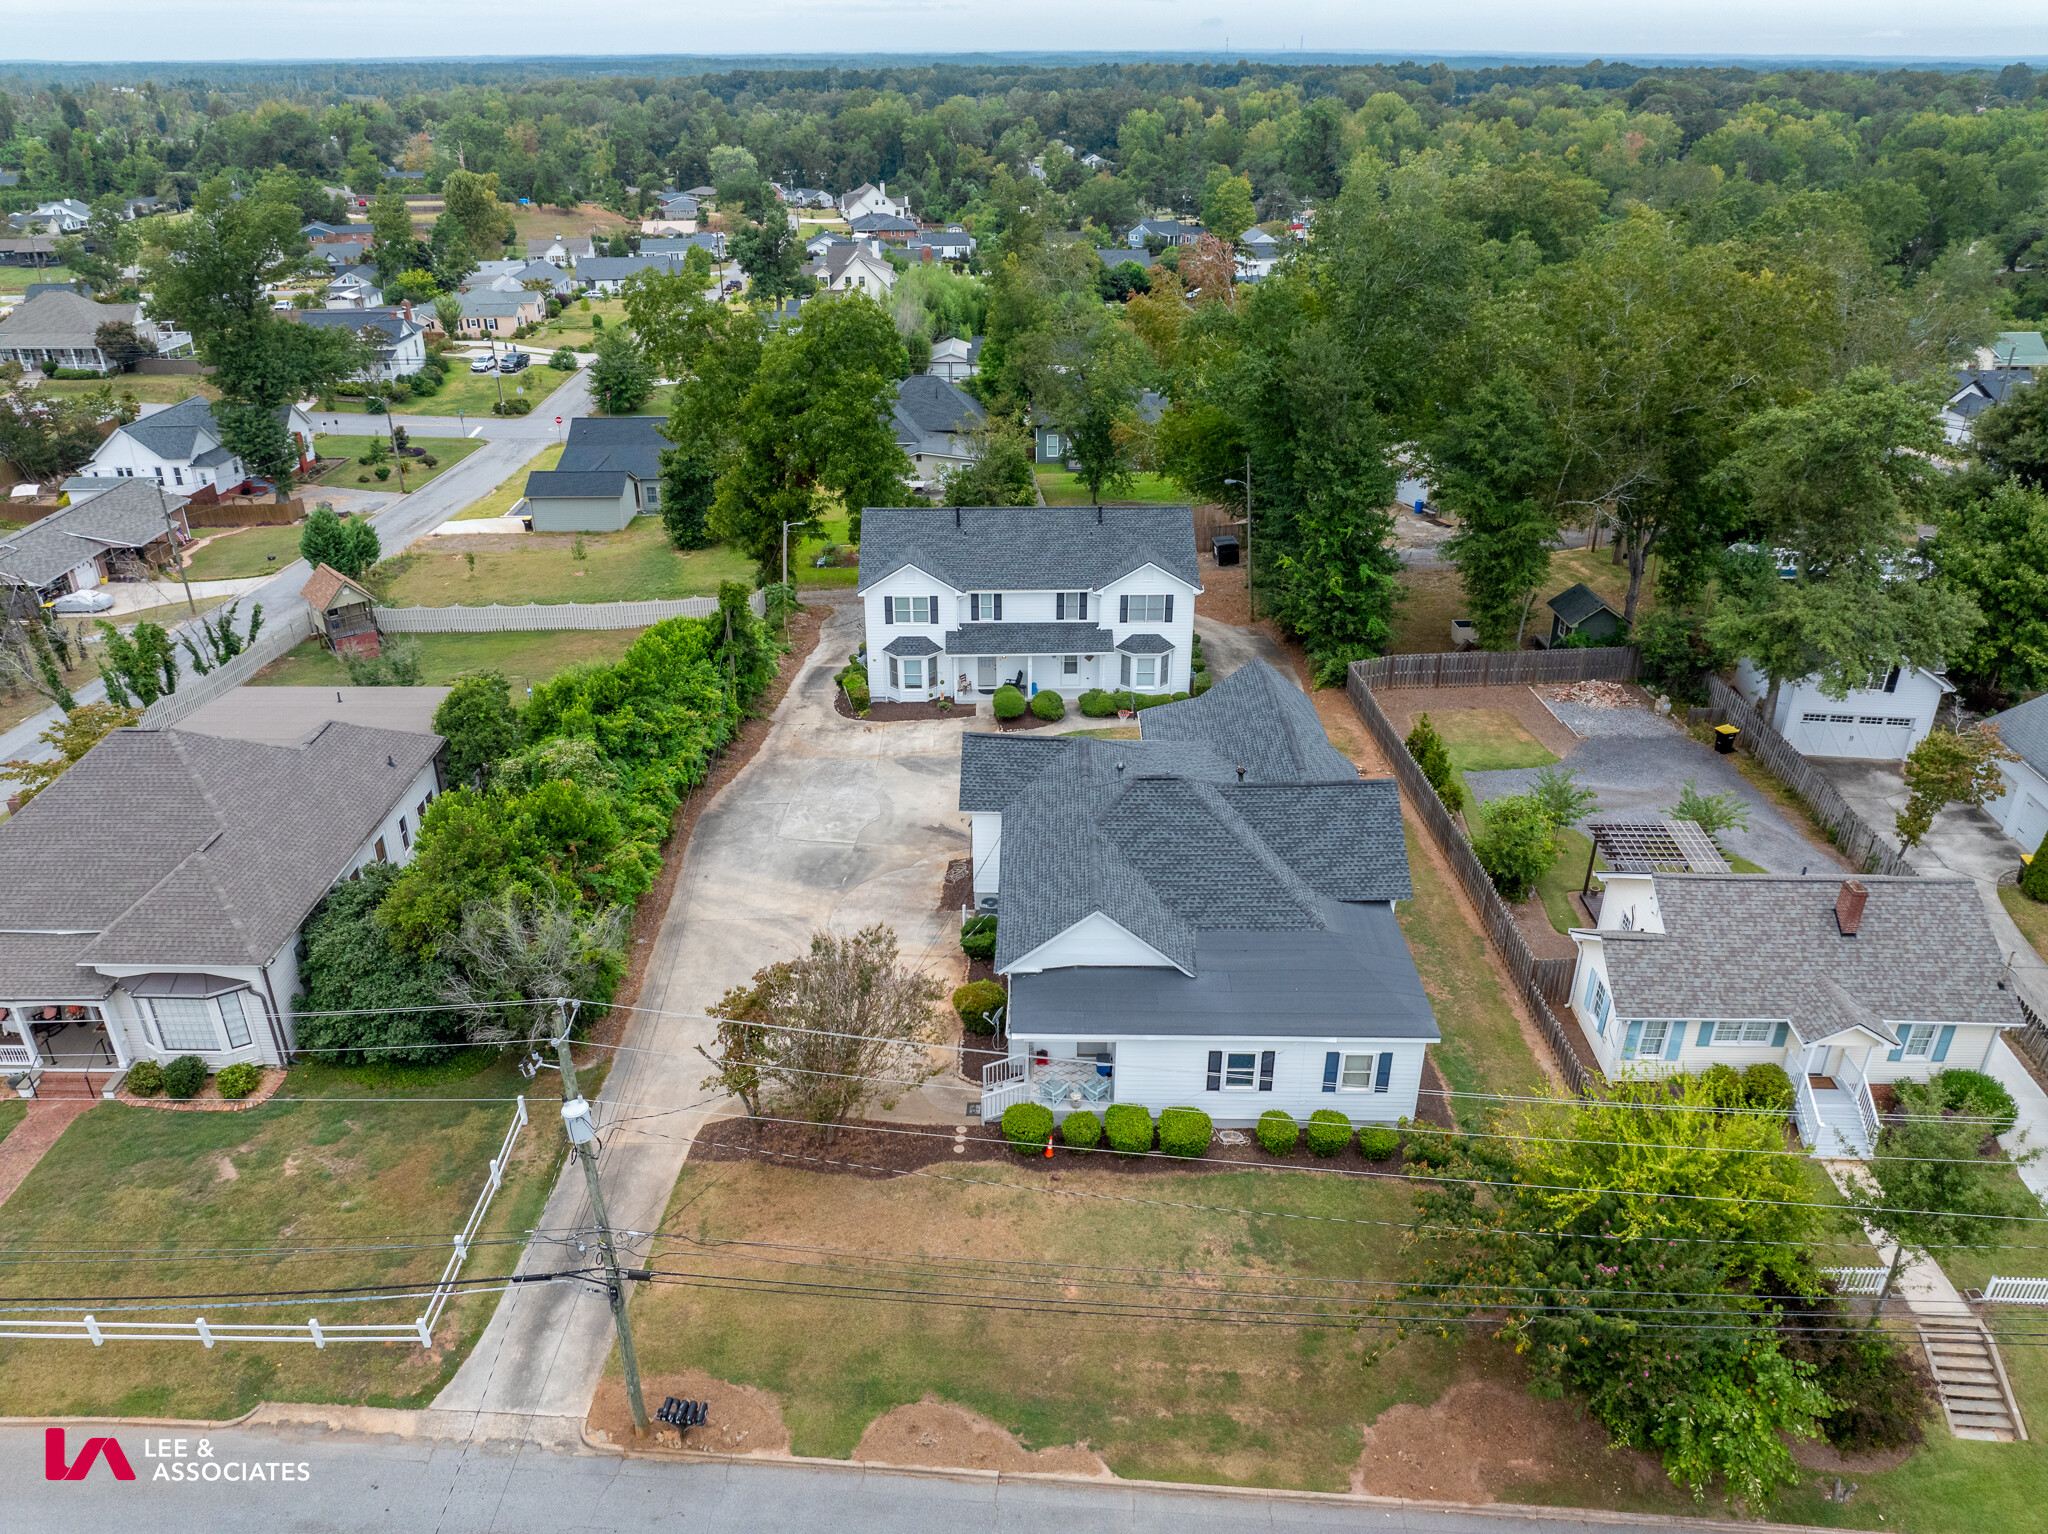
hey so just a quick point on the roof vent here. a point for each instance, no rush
(1240, 774)
(1119, 769)
(956, 516)
(1849, 906)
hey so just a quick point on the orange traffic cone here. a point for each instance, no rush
(1048, 1147)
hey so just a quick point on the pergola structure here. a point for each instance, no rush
(1663, 846)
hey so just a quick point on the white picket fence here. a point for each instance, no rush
(536, 616)
(420, 1330)
(2017, 1291)
(1855, 1280)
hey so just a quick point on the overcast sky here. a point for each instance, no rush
(1612, 29)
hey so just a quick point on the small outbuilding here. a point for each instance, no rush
(1580, 609)
(348, 613)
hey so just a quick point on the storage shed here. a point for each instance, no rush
(348, 613)
(1580, 609)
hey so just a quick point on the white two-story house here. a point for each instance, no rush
(183, 448)
(1842, 983)
(962, 600)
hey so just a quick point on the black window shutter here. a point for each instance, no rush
(1123, 609)
(1386, 1075)
(1215, 1070)
(999, 607)
(935, 610)
(1059, 604)
(1266, 1071)
(888, 609)
(1083, 613)
(1169, 607)
(1330, 1071)
(974, 606)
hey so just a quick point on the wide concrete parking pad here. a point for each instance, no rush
(1963, 840)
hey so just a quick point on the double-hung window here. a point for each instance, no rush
(895, 679)
(1357, 1073)
(1052, 445)
(1070, 606)
(1750, 1030)
(913, 609)
(1598, 1002)
(982, 607)
(1145, 609)
(1070, 665)
(1651, 1045)
(1240, 1072)
(1919, 1041)
(913, 673)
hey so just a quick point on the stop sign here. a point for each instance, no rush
(558, 420)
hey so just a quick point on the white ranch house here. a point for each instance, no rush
(1882, 722)
(961, 600)
(1843, 983)
(125, 938)
(1268, 971)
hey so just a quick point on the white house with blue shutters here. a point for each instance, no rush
(1268, 972)
(1845, 983)
(962, 600)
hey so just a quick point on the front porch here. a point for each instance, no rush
(63, 1051)
(1065, 1086)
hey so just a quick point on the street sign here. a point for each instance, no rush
(558, 420)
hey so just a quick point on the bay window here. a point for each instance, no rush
(190, 1025)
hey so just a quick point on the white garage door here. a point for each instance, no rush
(1875, 737)
(2031, 823)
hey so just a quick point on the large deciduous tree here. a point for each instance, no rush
(1496, 468)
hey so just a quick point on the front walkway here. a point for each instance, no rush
(24, 1147)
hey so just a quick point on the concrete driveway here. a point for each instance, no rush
(1641, 772)
(1963, 840)
(836, 824)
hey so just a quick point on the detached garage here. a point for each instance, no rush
(2022, 811)
(1879, 723)
(589, 501)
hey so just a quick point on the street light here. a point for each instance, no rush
(1251, 595)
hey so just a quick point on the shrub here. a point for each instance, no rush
(1376, 1142)
(1097, 704)
(1964, 1094)
(184, 1076)
(145, 1078)
(1328, 1132)
(977, 1002)
(238, 1080)
(382, 472)
(373, 406)
(1765, 1085)
(1049, 705)
(2034, 881)
(1723, 1083)
(430, 460)
(1027, 1126)
(563, 361)
(1128, 1128)
(1516, 847)
(1434, 758)
(1082, 1130)
(978, 937)
(1431, 1148)
(1009, 703)
(858, 698)
(1277, 1133)
(1185, 1131)
(1880, 1397)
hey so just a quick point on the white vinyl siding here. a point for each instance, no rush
(1173, 1072)
(913, 610)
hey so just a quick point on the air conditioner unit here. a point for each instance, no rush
(987, 903)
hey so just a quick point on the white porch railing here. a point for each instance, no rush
(1004, 1082)
(1852, 1079)
(1856, 1280)
(15, 1057)
(2017, 1291)
(1808, 1112)
(420, 1330)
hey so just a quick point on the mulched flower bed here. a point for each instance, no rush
(891, 713)
(1028, 721)
(208, 1099)
(958, 888)
(976, 1051)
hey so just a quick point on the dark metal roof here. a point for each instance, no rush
(910, 644)
(1027, 548)
(1029, 639)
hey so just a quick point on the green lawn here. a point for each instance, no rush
(1189, 1402)
(2028, 914)
(525, 659)
(1486, 740)
(447, 452)
(575, 326)
(657, 402)
(337, 1173)
(634, 565)
(473, 394)
(16, 279)
(148, 388)
(1483, 1049)
(252, 551)
(11, 1113)
(1565, 877)
(501, 500)
(1064, 489)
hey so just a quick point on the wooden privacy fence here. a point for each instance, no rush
(245, 513)
(1863, 847)
(538, 616)
(1501, 668)
(1545, 982)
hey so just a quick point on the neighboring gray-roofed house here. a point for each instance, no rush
(1842, 982)
(604, 274)
(610, 470)
(183, 449)
(126, 937)
(2021, 810)
(1037, 597)
(60, 325)
(954, 358)
(934, 422)
(560, 247)
(559, 282)
(397, 338)
(291, 716)
(586, 501)
(1177, 930)
(676, 247)
(76, 548)
(491, 312)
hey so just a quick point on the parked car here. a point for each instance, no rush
(483, 365)
(83, 602)
(514, 362)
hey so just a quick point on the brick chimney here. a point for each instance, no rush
(406, 305)
(1849, 906)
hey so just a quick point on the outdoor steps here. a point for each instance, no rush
(1970, 1379)
(1842, 1131)
(64, 1085)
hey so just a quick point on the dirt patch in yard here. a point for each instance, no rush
(742, 1420)
(958, 888)
(938, 1435)
(883, 712)
(804, 625)
(1428, 1452)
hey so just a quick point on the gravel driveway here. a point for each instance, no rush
(1637, 767)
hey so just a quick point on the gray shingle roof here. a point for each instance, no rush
(62, 318)
(1146, 644)
(632, 443)
(389, 322)
(176, 432)
(2025, 729)
(910, 644)
(1028, 638)
(994, 769)
(617, 268)
(554, 484)
(932, 414)
(1737, 945)
(241, 841)
(1575, 604)
(1027, 548)
(1256, 719)
(129, 514)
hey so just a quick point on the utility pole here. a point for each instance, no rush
(500, 377)
(396, 456)
(171, 539)
(576, 1120)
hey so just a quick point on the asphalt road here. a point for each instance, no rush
(343, 1483)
